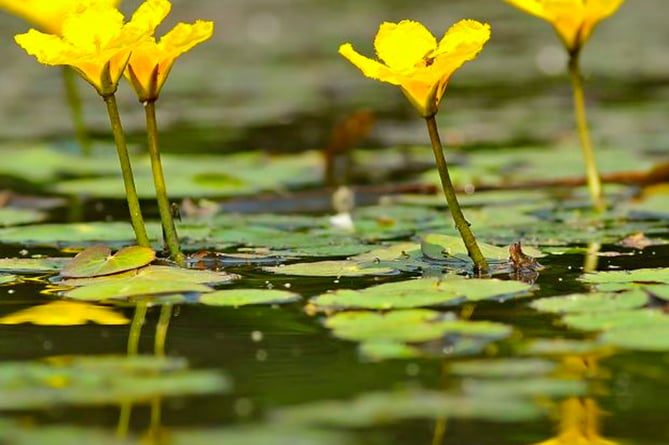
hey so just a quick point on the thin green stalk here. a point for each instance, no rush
(134, 335)
(74, 102)
(594, 181)
(480, 264)
(161, 330)
(171, 236)
(126, 168)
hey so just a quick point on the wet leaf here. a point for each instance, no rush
(452, 289)
(623, 279)
(99, 380)
(644, 338)
(75, 234)
(133, 287)
(157, 273)
(65, 313)
(377, 350)
(370, 409)
(20, 434)
(32, 265)
(244, 297)
(344, 268)
(273, 433)
(7, 278)
(593, 302)
(98, 260)
(452, 248)
(10, 216)
(503, 368)
(594, 321)
(413, 325)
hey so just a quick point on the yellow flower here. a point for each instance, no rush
(65, 313)
(151, 62)
(411, 58)
(45, 14)
(95, 40)
(573, 20)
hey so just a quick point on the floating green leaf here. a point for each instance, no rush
(10, 216)
(452, 248)
(98, 260)
(78, 234)
(503, 368)
(7, 278)
(413, 325)
(32, 265)
(593, 321)
(345, 268)
(452, 289)
(645, 338)
(623, 279)
(371, 409)
(244, 297)
(133, 287)
(594, 302)
(93, 380)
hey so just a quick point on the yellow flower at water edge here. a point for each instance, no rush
(151, 62)
(65, 313)
(573, 20)
(48, 15)
(410, 57)
(95, 40)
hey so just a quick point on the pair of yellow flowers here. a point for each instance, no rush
(92, 37)
(410, 56)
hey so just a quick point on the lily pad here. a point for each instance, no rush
(19, 434)
(503, 368)
(157, 273)
(594, 302)
(7, 278)
(133, 287)
(412, 326)
(77, 234)
(244, 297)
(374, 408)
(97, 380)
(10, 216)
(623, 279)
(644, 338)
(452, 248)
(345, 268)
(32, 265)
(627, 319)
(98, 260)
(452, 289)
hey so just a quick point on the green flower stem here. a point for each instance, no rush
(159, 182)
(161, 330)
(74, 102)
(123, 425)
(480, 264)
(126, 168)
(594, 181)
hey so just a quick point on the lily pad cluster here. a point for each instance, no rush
(626, 307)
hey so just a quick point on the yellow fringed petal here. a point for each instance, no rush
(151, 62)
(573, 20)
(48, 15)
(95, 41)
(400, 46)
(414, 61)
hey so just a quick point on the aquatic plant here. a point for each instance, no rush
(574, 21)
(148, 68)
(97, 44)
(411, 58)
